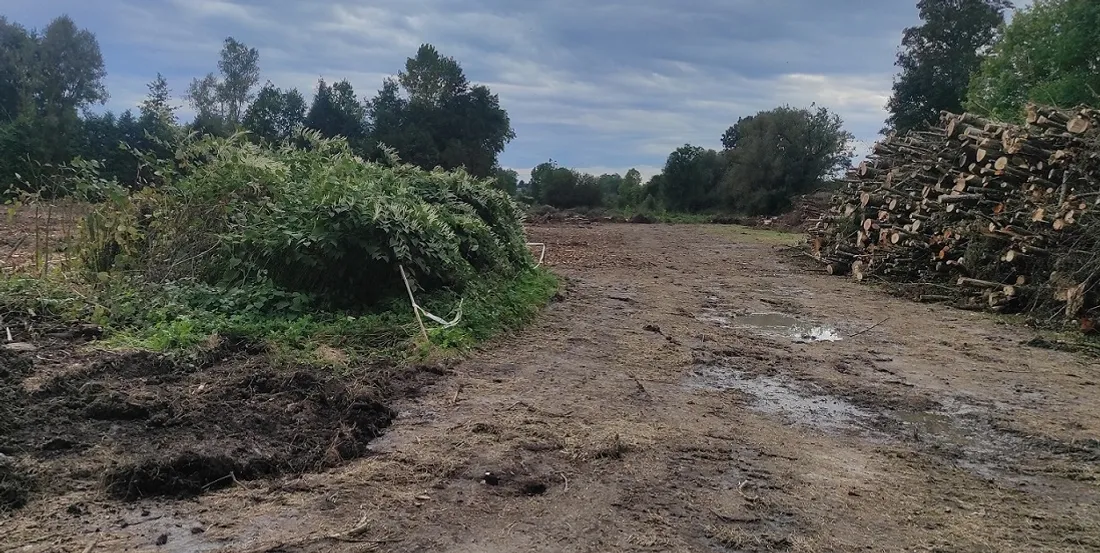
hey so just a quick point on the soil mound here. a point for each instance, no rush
(142, 424)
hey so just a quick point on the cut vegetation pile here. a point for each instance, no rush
(989, 214)
(310, 218)
(298, 243)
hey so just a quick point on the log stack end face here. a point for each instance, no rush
(982, 207)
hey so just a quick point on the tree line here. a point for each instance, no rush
(429, 113)
(765, 161)
(965, 57)
(962, 57)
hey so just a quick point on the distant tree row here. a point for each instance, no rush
(962, 57)
(766, 160)
(429, 113)
(562, 187)
(965, 57)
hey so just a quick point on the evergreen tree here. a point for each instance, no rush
(337, 112)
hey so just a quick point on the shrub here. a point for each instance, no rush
(309, 217)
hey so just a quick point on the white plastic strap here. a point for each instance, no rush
(541, 255)
(445, 324)
(417, 310)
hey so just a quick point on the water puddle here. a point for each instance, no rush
(780, 397)
(974, 445)
(938, 427)
(958, 430)
(774, 325)
(778, 323)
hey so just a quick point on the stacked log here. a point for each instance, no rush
(1004, 215)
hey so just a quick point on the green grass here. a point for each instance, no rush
(1067, 340)
(182, 318)
(491, 309)
(674, 218)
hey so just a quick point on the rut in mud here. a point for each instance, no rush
(695, 388)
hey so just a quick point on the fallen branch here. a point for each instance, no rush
(870, 328)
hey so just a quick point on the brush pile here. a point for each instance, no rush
(987, 214)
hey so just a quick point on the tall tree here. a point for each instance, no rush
(219, 104)
(433, 117)
(732, 136)
(17, 50)
(240, 67)
(159, 127)
(275, 114)
(630, 189)
(432, 78)
(690, 179)
(938, 57)
(102, 134)
(1050, 53)
(69, 77)
(209, 111)
(506, 180)
(562, 187)
(609, 184)
(157, 105)
(782, 153)
(337, 112)
(46, 78)
(70, 68)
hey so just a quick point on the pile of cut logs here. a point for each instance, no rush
(996, 215)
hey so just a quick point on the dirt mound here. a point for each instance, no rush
(145, 425)
(15, 485)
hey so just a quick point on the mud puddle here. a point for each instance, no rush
(781, 397)
(774, 325)
(956, 432)
(969, 442)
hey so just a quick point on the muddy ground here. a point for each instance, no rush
(694, 389)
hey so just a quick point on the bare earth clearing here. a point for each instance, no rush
(642, 412)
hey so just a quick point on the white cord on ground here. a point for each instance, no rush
(541, 255)
(445, 324)
(417, 310)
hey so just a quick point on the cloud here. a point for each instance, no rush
(602, 86)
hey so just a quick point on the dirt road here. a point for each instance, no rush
(653, 408)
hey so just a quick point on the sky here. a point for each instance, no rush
(601, 86)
